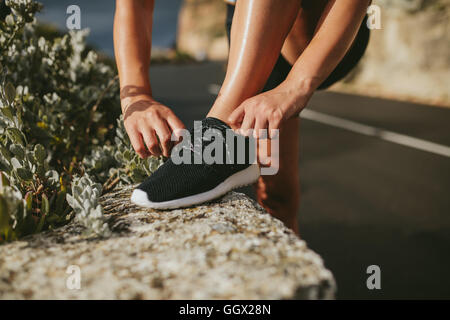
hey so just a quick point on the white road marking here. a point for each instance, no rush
(360, 128)
(386, 135)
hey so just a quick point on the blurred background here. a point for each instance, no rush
(375, 149)
(408, 58)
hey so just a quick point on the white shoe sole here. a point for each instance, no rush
(239, 179)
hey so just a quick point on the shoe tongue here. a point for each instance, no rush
(214, 122)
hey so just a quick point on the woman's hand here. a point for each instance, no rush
(149, 125)
(270, 109)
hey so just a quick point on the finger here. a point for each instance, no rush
(151, 141)
(260, 125)
(274, 127)
(138, 144)
(237, 115)
(164, 134)
(176, 125)
(247, 124)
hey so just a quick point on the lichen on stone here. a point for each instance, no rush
(227, 249)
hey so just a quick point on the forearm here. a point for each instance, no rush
(329, 45)
(132, 46)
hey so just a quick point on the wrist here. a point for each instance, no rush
(299, 92)
(132, 92)
(128, 101)
(304, 86)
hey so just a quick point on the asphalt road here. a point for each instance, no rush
(365, 201)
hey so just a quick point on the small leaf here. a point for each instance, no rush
(52, 176)
(29, 200)
(10, 92)
(15, 135)
(9, 20)
(24, 174)
(16, 163)
(40, 170)
(19, 118)
(137, 175)
(59, 205)
(45, 205)
(29, 156)
(18, 151)
(7, 112)
(127, 155)
(40, 224)
(70, 200)
(4, 215)
(39, 153)
(4, 182)
(5, 153)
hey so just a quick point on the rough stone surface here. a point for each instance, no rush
(229, 249)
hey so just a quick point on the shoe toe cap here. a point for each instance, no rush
(139, 197)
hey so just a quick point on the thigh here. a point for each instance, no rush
(282, 66)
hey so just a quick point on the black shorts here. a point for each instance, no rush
(350, 60)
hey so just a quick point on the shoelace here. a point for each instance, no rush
(199, 139)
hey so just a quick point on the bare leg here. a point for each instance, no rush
(260, 30)
(280, 194)
(257, 35)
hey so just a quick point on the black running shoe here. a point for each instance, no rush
(186, 184)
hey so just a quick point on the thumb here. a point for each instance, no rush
(237, 115)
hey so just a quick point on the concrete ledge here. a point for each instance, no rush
(230, 249)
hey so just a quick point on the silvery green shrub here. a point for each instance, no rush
(120, 161)
(84, 201)
(60, 139)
